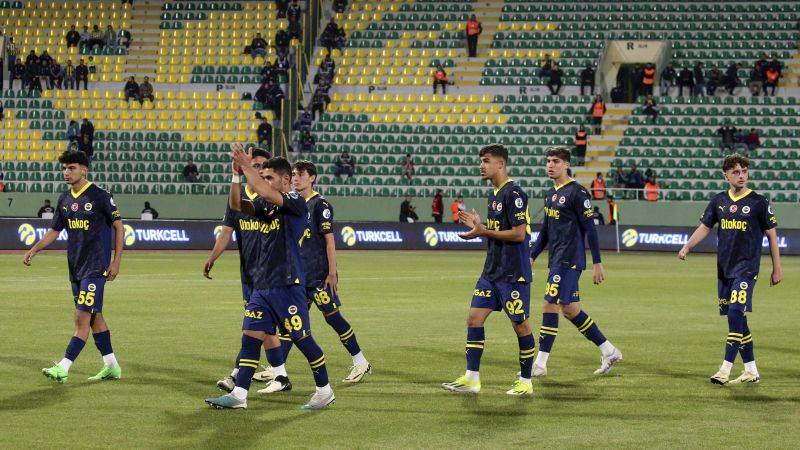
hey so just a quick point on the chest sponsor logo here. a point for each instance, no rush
(733, 224)
(87, 206)
(78, 224)
(74, 207)
(552, 212)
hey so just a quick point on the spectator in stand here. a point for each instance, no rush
(282, 7)
(44, 74)
(69, 76)
(408, 213)
(651, 190)
(86, 37)
(474, 29)
(35, 73)
(2, 182)
(82, 74)
(96, 37)
(73, 37)
(714, 77)
(456, 207)
(772, 75)
(731, 78)
(581, 140)
(637, 78)
(345, 165)
(304, 122)
(282, 41)
(46, 209)
(282, 65)
(726, 133)
(262, 92)
(296, 30)
(56, 75)
(317, 104)
(190, 172)
(326, 70)
(131, 90)
(648, 173)
(275, 97)
(752, 140)
(308, 145)
(86, 145)
(545, 65)
(110, 37)
(125, 38)
(20, 73)
(668, 77)
(268, 72)
(146, 90)
(341, 39)
(72, 131)
(150, 210)
(685, 80)
(437, 207)
(87, 129)
(90, 64)
(587, 79)
(635, 180)
(339, 6)
(440, 79)
(555, 80)
(598, 187)
(598, 110)
(45, 58)
(650, 108)
(258, 47)
(620, 179)
(264, 133)
(407, 170)
(699, 80)
(756, 80)
(294, 12)
(597, 217)
(648, 78)
(12, 51)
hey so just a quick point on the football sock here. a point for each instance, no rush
(548, 332)
(73, 350)
(606, 348)
(345, 332)
(735, 328)
(235, 370)
(286, 345)
(746, 349)
(541, 358)
(316, 359)
(248, 361)
(475, 341)
(587, 327)
(102, 341)
(275, 359)
(359, 359)
(751, 367)
(726, 367)
(527, 347)
(473, 375)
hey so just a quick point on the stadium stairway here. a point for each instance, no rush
(602, 149)
(143, 52)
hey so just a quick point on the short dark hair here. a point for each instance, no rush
(305, 166)
(279, 165)
(261, 152)
(74, 157)
(498, 150)
(559, 152)
(732, 160)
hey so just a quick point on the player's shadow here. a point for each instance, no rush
(46, 397)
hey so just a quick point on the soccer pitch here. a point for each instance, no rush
(175, 333)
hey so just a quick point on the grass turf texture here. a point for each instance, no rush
(175, 333)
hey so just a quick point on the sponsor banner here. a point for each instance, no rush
(20, 234)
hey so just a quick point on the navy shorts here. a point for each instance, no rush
(88, 294)
(513, 298)
(736, 293)
(281, 310)
(325, 299)
(562, 286)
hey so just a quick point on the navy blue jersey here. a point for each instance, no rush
(279, 263)
(247, 230)
(566, 207)
(508, 261)
(742, 222)
(87, 215)
(313, 248)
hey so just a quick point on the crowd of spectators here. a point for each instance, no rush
(698, 81)
(38, 72)
(139, 92)
(733, 139)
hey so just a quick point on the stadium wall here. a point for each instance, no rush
(383, 209)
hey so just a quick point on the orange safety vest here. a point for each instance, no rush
(597, 111)
(473, 27)
(580, 138)
(454, 209)
(649, 76)
(651, 192)
(440, 75)
(772, 75)
(613, 212)
(598, 189)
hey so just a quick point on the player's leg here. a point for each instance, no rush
(547, 337)
(102, 340)
(280, 379)
(587, 327)
(739, 300)
(516, 303)
(228, 383)
(82, 317)
(329, 304)
(750, 373)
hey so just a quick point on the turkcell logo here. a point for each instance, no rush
(782, 242)
(433, 237)
(631, 237)
(28, 234)
(351, 236)
(133, 235)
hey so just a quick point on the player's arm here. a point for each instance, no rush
(223, 239)
(235, 197)
(540, 243)
(332, 280)
(775, 253)
(119, 245)
(590, 231)
(699, 234)
(254, 179)
(477, 229)
(43, 243)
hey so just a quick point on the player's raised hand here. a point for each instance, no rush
(239, 156)
(112, 271)
(28, 257)
(682, 254)
(207, 268)
(470, 219)
(777, 276)
(332, 282)
(599, 274)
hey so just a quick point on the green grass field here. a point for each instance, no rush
(175, 333)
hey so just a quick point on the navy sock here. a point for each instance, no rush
(746, 349)
(548, 332)
(345, 332)
(248, 360)
(275, 356)
(586, 326)
(74, 348)
(475, 341)
(527, 347)
(286, 345)
(735, 328)
(316, 359)
(102, 341)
